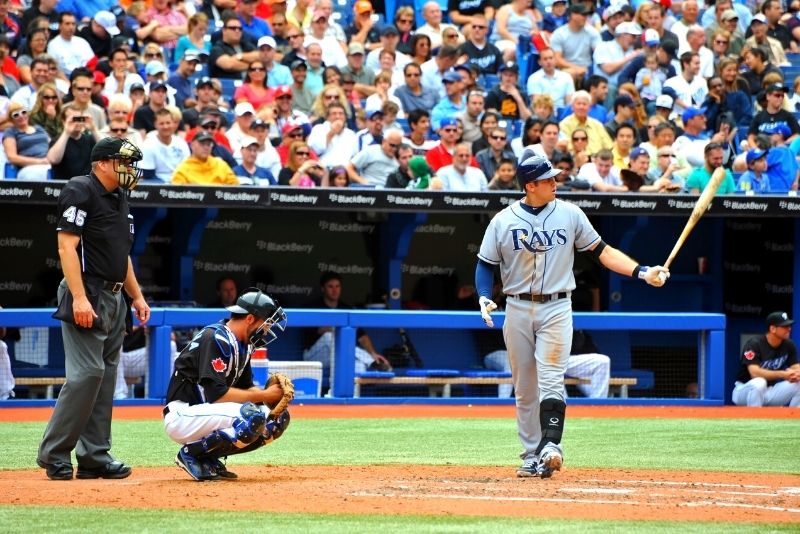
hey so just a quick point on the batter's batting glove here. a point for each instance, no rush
(487, 307)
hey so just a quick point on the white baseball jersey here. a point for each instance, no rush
(536, 251)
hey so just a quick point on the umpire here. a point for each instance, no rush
(95, 234)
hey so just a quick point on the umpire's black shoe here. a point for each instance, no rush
(115, 469)
(56, 471)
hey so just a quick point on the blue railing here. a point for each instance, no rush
(710, 340)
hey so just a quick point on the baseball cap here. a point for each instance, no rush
(355, 48)
(156, 85)
(760, 17)
(637, 152)
(509, 66)
(319, 14)
(290, 126)
(729, 14)
(203, 136)
(389, 31)
(448, 121)
(298, 63)
(779, 318)
(243, 108)
(624, 100)
(777, 88)
(577, 9)
(108, 21)
(283, 90)
(136, 87)
(754, 154)
(611, 10)
(195, 55)
(690, 113)
(258, 123)
(248, 140)
(664, 101)
(451, 76)
(99, 77)
(466, 67)
(267, 40)
(651, 37)
(371, 112)
(107, 148)
(205, 80)
(779, 128)
(118, 11)
(362, 6)
(155, 67)
(535, 168)
(630, 28)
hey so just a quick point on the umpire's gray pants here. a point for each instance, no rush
(81, 419)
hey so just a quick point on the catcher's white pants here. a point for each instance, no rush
(595, 367)
(185, 424)
(756, 392)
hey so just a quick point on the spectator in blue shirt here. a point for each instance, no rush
(453, 104)
(755, 180)
(256, 27)
(248, 172)
(180, 80)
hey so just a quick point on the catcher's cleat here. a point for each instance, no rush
(551, 461)
(529, 468)
(216, 466)
(196, 469)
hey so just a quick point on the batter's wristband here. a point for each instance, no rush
(639, 272)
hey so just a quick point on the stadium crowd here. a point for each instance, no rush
(620, 96)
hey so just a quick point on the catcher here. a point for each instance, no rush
(213, 409)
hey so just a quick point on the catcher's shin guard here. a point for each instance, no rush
(245, 430)
(551, 417)
(272, 431)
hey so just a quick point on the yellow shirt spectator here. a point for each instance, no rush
(201, 168)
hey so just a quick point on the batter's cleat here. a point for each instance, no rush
(550, 462)
(196, 469)
(216, 466)
(529, 468)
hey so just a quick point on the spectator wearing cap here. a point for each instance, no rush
(81, 96)
(610, 57)
(334, 29)
(291, 131)
(364, 29)
(248, 172)
(277, 74)
(302, 97)
(70, 154)
(244, 114)
(773, 114)
(773, 13)
(285, 111)
(574, 43)
(201, 168)
(171, 23)
(712, 18)
(699, 177)
(782, 166)
(267, 155)
(212, 122)
(689, 87)
(372, 134)
(558, 17)
(549, 80)
(364, 77)
(478, 50)
(759, 39)
(156, 73)
(144, 118)
(121, 78)
(389, 40)
(598, 137)
(433, 27)
(755, 179)
(232, 54)
(664, 104)
(255, 90)
(433, 71)
(441, 154)
(330, 47)
(181, 80)
(460, 175)
(624, 108)
(506, 98)
(99, 32)
(334, 142)
(373, 163)
(412, 94)
(499, 149)
(695, 137)
(453, 104)
(205, 95)
(419, 122)
(69, 50)
(663, 171)
(164, 151)
(252, 25)
(729, 21)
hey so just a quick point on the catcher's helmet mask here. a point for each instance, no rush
(255, 302)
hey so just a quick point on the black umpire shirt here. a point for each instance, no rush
(103, 221)
(209, 365)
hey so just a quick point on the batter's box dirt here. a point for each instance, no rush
(438, 490)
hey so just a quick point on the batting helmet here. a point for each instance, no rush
(534, 167)
(256, 302)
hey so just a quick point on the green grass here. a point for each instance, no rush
(693, 444)
(82, 520)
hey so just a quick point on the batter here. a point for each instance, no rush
(534, 242)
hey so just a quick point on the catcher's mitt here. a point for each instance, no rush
(288, 392)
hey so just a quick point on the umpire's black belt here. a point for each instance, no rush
(540, 298)
(114, 287)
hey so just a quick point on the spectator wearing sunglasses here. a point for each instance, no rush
(374, 163)
(489, 158)
(70, 154)
(26, 145)
(211, 123)
(232, 55)
(81, 97)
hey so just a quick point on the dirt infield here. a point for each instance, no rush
(619, 494)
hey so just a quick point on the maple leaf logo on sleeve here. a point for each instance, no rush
(219, 365)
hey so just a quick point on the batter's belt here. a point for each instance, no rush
(541, 299)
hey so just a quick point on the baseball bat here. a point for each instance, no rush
(700, 207)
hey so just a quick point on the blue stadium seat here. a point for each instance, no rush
(404, 124)
(794, 59)
(10, 172)
(489, 81)
(229, 87)
(439, 373)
